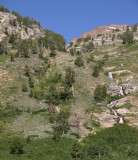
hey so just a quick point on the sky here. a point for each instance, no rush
(71, 18)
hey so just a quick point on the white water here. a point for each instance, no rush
(113, 104)
(121, 121)
(121, 90)
(115, 113)
(110, 75)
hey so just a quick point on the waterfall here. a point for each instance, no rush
(110, 75)
(113, 104)
(114, 112)
(121, 91)
(121, 121)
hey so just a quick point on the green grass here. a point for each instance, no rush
(8, 113)
(132, 46)
(3, 58)
(127, 106)
(41, 149)
(13, 89)
(95, 123)
(95, 107)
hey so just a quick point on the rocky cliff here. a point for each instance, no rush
(9, 25)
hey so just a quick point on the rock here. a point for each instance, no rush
(113, 89)
(5, 18)
(111, 53)
(130, 88)
(106, 119)
(123, 101)
(112, 104)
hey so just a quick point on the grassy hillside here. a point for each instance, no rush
(54, 104)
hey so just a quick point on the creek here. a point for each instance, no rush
(113, 104)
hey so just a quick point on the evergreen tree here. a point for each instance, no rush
(69, 77)
(62, 123)
(76, 150)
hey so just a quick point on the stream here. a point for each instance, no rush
(113, 104)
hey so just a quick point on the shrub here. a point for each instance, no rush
(3, 48)
(3, 9)
(31, 84)
(96, 71)
(89, 47)
(52, 54)
(87, 39)
(127, 37)
(134, 27)
(16, 146)
(79, 40)
(91, 58)
(100, 92)
(78, 62)
(19, 17)
(24, 88)
(31, 94)
(72, 51)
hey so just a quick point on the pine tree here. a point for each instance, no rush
(76, 150)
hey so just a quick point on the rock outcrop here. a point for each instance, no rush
(6, 28)
(103, 30)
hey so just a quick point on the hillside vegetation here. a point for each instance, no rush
(55, 98)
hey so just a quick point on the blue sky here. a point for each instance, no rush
(73, 17)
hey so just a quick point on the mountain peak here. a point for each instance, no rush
(102, 30)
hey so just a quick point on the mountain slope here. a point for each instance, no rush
(47, 92)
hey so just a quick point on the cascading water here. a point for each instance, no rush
(121, 91)
(113, 104)
(110, 75)
(121, 121)
(114, 112)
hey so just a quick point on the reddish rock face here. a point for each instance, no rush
(101, 30)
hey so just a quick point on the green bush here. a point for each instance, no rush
(99, 35)
(127, 37)
(96, 71)
(90, 58)
(16, 146)
(100, 93)
(79, 62)
(88, 47)
(111, 144)
(79, 40)
(3, 9)
(73, 51)
(3, 48)
(24, 88)
(87, 39)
